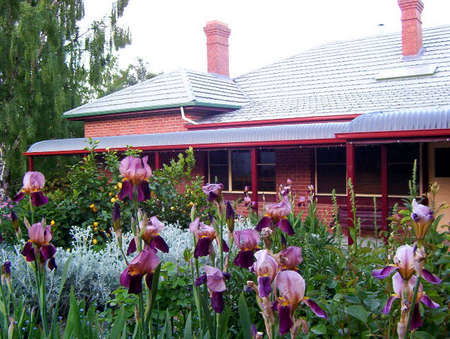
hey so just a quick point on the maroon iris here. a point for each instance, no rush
(144, 264)
(135, 172)
(247, 241)
(276, 215)
(212, 191)
(204, 236)
(215, 281)
(150, 233)
(33, 183)
(290, 258)
(38, 246)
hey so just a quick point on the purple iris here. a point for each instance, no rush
(290, 258)
(247, 241)
(204, 235)
(38, 246)
(422, 217)
(33, 183)
(150, 233)
(212, 191)
(266, 268)
(291, 288)
(276, 215)
(215, 281)
(135, 172)
(144, 264)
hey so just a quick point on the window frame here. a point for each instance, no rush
(419, 181)
(229, 189)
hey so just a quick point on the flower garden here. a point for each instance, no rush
(116, 250)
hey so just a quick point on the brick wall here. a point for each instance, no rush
(156, 123)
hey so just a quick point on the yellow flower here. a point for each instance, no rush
(92, 206)
(172, 208)
(110, 194)
(113, 200)
(52, 223)
(95, 224)
(191, 204)
(119, 185)
(94, 241)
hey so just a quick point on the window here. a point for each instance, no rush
(400, 165)
(441, 162)
(330, 170)
(367, 170)
(233, 169)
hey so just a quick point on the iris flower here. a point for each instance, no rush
(266, 268)
(291, 288)
(247, 241)
(290, 258)
(404, 263)
(212, 191)
(38, 246)
(276, 214)
(400, 287)
(215, 281)
(144, 264)
(33, 183)
(149, 230)
(135, 172)
(205, 236)
(422, 217)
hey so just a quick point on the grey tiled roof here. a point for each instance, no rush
(348, 77)
(173, 89)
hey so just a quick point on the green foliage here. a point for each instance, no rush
(48, 66)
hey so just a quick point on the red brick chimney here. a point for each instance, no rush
(411, 26)
(217, 34)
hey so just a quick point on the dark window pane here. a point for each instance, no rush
(442, 162)
(219, 174)
(331, 170)
(266, 157)
(331, 155)
(240, 170)
(218, 157)
(266, 178)
(329, 177)
(404, 152)
(367, 172)
(398, 178)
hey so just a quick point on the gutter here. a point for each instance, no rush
(185, 118)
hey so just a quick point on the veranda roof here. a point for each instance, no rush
(434, 119)
(261, 135)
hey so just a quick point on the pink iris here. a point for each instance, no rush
(247, 241)
(291, 288)
(38, 245)
(290, 258)
(135, 172)
(401, 287)
(144, 264)
(215, 281)
(404, 263)
(33, 183)
(204, 236)
(276, 214)
(266, 268)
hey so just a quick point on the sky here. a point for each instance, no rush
(168, 34)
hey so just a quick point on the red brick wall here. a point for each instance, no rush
(156, 123)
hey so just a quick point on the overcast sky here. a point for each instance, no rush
(169, 33)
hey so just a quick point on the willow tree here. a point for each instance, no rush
(48, 65)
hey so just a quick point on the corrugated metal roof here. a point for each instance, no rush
(200, 137)
(173, 89)
(341, 78)
(406, 120)
(401, 121)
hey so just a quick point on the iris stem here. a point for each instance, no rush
(31, 209)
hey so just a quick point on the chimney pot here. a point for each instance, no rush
(411, 26)
(217, 34)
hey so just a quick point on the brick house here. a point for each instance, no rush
(361, 109)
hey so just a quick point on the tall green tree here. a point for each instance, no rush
(49, 65)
